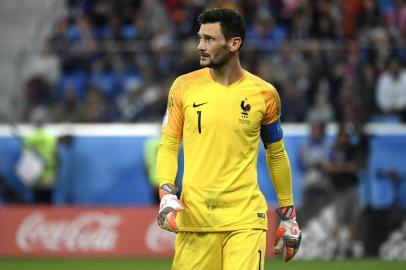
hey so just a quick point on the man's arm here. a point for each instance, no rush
(288, 233)
(167, 159)
(341, 167)
(167, 167)
(278, 162)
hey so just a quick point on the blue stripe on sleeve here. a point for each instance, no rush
(272, 133)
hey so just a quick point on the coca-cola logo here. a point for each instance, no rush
(159, 240)
(91, 231)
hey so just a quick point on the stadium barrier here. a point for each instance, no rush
(32, 231)
(90, 174)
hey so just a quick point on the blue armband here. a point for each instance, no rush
(271, 133)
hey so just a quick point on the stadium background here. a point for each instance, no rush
(98, 72)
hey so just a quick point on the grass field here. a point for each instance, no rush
(135, 264)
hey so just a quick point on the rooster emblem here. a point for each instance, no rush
(245, 107)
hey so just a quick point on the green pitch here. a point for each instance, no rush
(138, 264)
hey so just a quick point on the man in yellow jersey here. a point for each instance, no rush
(220, 112)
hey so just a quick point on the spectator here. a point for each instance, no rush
(325, 21)
(365, 86)
(68, 109)
(342, 168)
(391, 90)
(321, 81)
(300, 25)
(293, 89)
(38, 93)
(60, 44)
(95, 108)
(369, 17)
(321, 109)
(129, 103)
(44, 144)
(99, 31)
(265, 32)
(189, 61)
(350, 105)
(396, 18)
(156, 10)
(313, 153)
(380, 47)
(184, 15)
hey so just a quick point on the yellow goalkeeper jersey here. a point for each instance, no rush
(220, 126)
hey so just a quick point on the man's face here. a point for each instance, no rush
(317, 132)
(213, 47)
(394, 68)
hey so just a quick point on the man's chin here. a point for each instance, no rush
(210, 64)
(204, 64)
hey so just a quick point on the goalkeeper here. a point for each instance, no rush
(220, 112)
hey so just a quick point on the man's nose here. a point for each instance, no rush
(201, 46)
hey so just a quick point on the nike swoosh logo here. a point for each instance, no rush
(197, 105)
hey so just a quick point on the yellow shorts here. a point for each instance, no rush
(243, 249)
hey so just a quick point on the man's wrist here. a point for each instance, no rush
(286, 212)
(167, 189)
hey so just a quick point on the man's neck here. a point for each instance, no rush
(228, 74)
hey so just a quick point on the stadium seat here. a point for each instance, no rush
(129, 31)
(106, 81)
(77, 80)
(72, 33)
(126, 79)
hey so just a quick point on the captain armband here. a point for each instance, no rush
(271, 133)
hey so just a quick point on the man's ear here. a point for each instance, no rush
(234, 44)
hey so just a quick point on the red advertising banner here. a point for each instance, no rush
(86, 232)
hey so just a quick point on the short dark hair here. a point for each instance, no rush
(231, 23)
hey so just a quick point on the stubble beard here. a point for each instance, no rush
(223, 59)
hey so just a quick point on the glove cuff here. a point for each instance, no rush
(287, 213)
(167, 189)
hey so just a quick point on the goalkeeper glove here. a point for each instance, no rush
(288, 233)
(168, 208)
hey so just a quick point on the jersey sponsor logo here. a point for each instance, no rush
(159, 240)
(198, 105)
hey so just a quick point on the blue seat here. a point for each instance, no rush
(123, 80)
(77, 81)
(72, 33)
(106, 81)
(129, 31)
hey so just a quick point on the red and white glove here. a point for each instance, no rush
(168, 208)
(288, 233)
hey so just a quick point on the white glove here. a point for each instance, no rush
(168, 209)
(288, 233)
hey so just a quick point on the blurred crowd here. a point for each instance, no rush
(331, 60)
